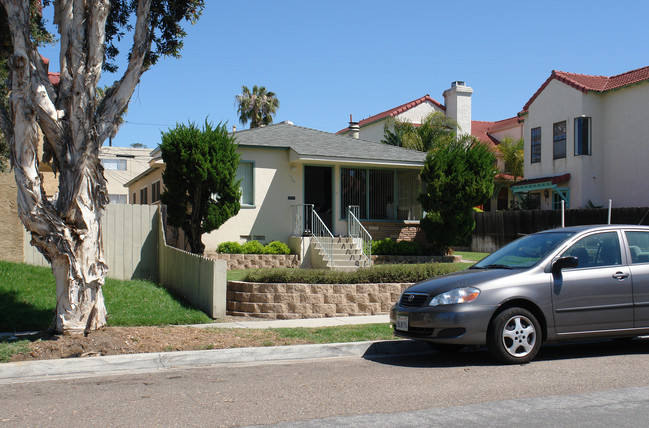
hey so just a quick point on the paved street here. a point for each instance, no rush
(602, 380)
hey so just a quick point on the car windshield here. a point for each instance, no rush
(524, 252)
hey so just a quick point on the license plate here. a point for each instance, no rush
(402, 322)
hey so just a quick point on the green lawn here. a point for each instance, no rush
(470, 255)
(28, 301)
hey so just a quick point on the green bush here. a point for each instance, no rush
(277, 247)
(401, 248)
(229, 248)
(376, 274)
(253, 247)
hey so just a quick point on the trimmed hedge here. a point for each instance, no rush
(253, 247)
(376, 274)
(388, 247)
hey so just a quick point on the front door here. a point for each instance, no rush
(597, 294)
(318, 191)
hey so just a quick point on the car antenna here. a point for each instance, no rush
(643, 217)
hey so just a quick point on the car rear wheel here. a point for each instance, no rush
(514, 336)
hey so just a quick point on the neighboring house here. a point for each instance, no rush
(121, 165)
(284, 167)
(457, 104)
(146, 187)
(587, 141)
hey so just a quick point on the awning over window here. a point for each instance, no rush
(540, 183)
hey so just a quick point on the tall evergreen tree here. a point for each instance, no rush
(201, 189)
(457, 175)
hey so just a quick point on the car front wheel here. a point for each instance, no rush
(514, 336)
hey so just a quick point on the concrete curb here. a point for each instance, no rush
(29, 371)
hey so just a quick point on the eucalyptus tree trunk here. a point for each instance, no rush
(67, 228)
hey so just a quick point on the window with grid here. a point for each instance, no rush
(559, 140)
(536, 145)
(381, 194)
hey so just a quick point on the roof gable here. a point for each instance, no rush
(396, 111)
(586, 83)
(483, 130)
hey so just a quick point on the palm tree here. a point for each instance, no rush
(258, 106)
(434, 129)
(512, 155)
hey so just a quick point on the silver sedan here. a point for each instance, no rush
(572, 283)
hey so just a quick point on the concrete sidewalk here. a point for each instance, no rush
(309, 322)
(73, 368)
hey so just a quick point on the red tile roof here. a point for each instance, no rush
(483, 130)
(586, 83)
(55, 78)
(479, 129)
(395, 111)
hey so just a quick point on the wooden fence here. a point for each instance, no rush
(130, 242)
(135, 248)
(495, 229)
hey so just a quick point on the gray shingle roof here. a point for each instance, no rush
(311, 143)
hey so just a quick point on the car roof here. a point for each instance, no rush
(583, 228)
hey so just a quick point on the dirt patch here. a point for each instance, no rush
(135, 340)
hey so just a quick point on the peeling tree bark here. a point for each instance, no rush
(67, 230)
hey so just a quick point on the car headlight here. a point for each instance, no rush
(458, 295)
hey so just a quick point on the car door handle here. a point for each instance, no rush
(620, 275)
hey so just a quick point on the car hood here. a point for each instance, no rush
(465, 278)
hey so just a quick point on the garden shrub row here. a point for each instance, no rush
(389, 247)
(376, 274)
(253, 247)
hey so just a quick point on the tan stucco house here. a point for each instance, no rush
(587, 141)
(284, 167)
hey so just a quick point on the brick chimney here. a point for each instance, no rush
(457, 100)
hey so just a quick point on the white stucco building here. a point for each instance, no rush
(587, 140)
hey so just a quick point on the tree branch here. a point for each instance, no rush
(117, 97)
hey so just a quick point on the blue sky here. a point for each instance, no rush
(327, 60)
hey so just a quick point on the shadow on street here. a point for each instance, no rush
(479, 356)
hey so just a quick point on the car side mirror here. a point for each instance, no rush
(564, 262)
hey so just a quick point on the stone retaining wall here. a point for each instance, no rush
(254, 261)
(293, 301)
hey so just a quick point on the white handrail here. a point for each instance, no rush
(307, 222)
(358, 233)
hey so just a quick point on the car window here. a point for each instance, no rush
(524, 252)
(639, 246)
(599, 249)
